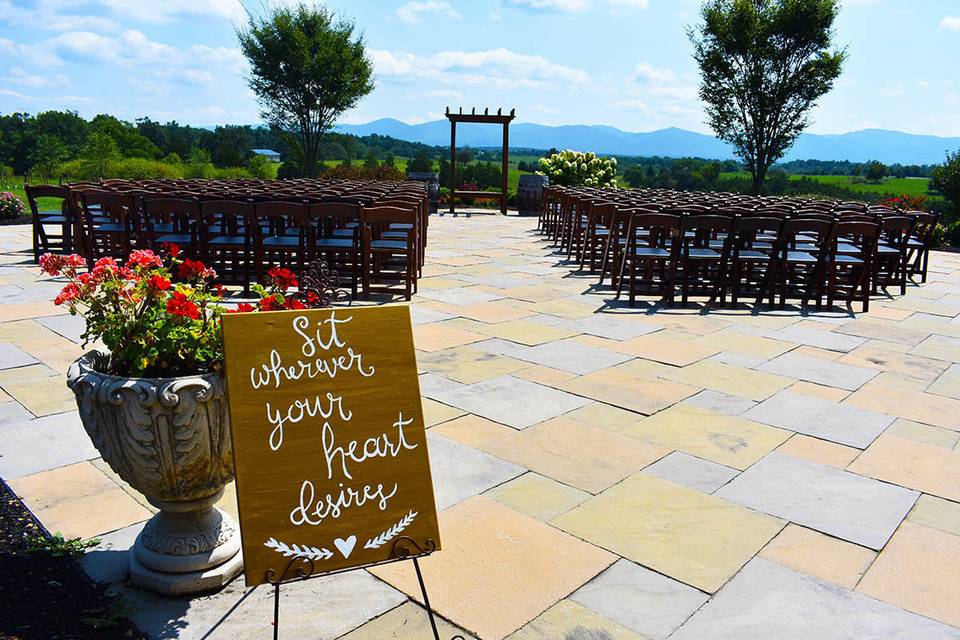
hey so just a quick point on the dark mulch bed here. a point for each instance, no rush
(48, 597)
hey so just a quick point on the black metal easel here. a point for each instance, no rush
(404, 548)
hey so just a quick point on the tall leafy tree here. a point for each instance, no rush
(945, 178)
(307, 66)
(763, 65)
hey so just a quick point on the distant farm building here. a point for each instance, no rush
(269, 154)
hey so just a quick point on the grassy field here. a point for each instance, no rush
(887, 186)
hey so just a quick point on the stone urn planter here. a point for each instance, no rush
(169, 438)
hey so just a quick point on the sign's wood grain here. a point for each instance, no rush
(328, 437)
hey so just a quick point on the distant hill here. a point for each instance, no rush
(858, 146)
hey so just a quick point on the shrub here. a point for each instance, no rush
(574, 168)
(946, 178)
(11, 207)
(955, 235)
(6, 172)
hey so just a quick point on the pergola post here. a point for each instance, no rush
(484, 118)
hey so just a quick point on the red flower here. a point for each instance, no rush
(179, 305)
(270, 303)
(283, 278)
(104, 266)
(159, 283)
(218, 288)
(243, 307)
(67, 294)
(293, 303)
(190, 269)
(144, 258)
(171, 248)
(51, 263)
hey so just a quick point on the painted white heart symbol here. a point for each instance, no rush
(345, 546)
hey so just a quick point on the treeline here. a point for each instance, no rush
(847, 168)
(696, 174)
(64, 144)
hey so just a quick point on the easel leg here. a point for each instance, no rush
(276, 611)
(426, 600)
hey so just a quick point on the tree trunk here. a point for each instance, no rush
(759, 175)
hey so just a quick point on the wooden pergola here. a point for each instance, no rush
(481, 118)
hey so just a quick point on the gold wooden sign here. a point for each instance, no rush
(328, 438)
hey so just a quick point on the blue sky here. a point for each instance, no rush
(624, 63)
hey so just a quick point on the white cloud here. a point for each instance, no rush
(45, 15)
(950, 22)
(20, 77)
(500, 67)
(578, 6)
(132, 47)
(167, 10)
(639, 5)
(646, 72)
(561, 6)
(412, 11)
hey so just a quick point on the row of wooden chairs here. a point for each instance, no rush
(656, 242)
(372, 233)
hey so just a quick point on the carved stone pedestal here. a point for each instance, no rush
(170, 440)
(189, 547)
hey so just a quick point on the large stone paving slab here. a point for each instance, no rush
(568, 355)
(727, 440)
(918, 571)
(635, 393)
(819, 371)
(819, 555)
(12, 356)
(901, 401)
(577, 454)
(407, 621)
(322, 608)
(766, 600)
(693, 472)
(78, 501)
(820, 418)
(697, 539)
(498, 569)
(836, 502)
(651, 604)
(918, 465)
(512, 401)
(45, 443)
(567, 619)
(460, 472)
(737, 381)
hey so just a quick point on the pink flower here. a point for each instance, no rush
(144, 258)
(67, 294)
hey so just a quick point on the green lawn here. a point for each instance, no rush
(887, 186)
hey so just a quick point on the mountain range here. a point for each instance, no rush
(857, 146)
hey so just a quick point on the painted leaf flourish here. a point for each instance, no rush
(299, 551)
(391, 533)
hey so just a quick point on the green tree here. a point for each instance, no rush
(371, 161)
(98, 154)
(945, 178)
(47, 155)
(875, 171)
(763, 65)
(259, 167)
(232, 146)
(421, 162)
(199, 163)
(307, 67)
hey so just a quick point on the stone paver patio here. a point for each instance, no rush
(601, 471)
